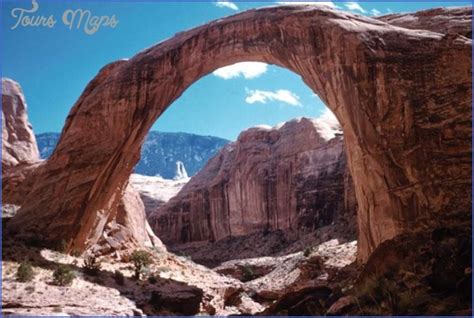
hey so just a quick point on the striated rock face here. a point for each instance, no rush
(442, 20)
(18, 140)
(129, 229)
(287, 177)
(403, 98)
(20, 155)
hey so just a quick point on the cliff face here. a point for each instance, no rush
(403, 98)
(288, 177)
(20, 155)
(18, 140)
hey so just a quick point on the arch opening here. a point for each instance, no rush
(280, 180)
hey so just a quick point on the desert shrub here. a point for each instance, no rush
(140, 260)
(152, 279)
(57, 309)
(30, 289)
(76, 253)
(307, 251)
(25, 272)
(163, 269)
(119, 278)
(378, 295)
(247, 273)
(184, 255)
(63, 275)
(61, 246)
(91, 266)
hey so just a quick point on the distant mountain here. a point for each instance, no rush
(160, 152)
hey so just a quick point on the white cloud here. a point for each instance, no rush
(354, 6)
(246, 69)
(328, 125)
(226, 4)
(327, 4)
(281, 95)
(375, 12)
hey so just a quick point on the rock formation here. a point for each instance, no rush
(181, 173)
(18, 140)
(20, 155)
(125, 229)
(291, 177)
(402, 96)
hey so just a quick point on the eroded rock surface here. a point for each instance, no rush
(20, 155)
(288, 177)
(403, 97)
(18, 140)
(125, 229)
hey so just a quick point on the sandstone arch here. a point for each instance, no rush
(402, 96)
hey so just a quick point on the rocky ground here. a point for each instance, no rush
(259, 244)
(172, 285)
(156, 191)
(427, 272)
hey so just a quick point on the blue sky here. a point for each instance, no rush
(53, 65)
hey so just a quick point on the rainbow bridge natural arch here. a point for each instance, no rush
(402, 96)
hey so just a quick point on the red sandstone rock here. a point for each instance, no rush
(403, 98)
(288, 177)
(129, 229)
(126, 229)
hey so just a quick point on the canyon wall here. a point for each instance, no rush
(291, 177)
(402, 96)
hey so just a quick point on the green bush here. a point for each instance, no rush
(76, 253)
(63, 275)
(152, 279)
(91, 266)
(25, 272)
(61, 246)
(119, 278)
(247, 273)
(140, 259)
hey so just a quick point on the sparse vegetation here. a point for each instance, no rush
(184, 255)
(119, 278)
(152, 279)
(247, 273)
(62, 246)
(383, 296)
(307, 251)
(63, 275)
(30, 289)
(76, 253)
(140, 259)
(25, 272)
(91, 266)
(57, 309)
